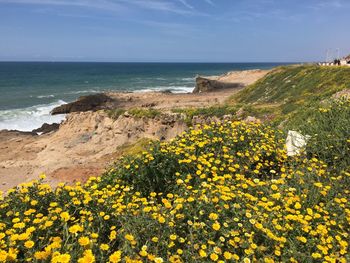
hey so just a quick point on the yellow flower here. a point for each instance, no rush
(61, 258)
(155, 239)
(297, 205)
(316, 255)
(115, 257)
(65, 216)
(158, 260)
(129, 237)
(202, 253)
(75, 228)
(104, 247)
(113, 235)
(88, 257)
(216, 226)
(227, 255)
(84, 241)
(29, 244)
(302, 239)
(214, 257)
(274, 187)
(213, 216)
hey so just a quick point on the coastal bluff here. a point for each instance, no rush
(90, 138)
(230, 80)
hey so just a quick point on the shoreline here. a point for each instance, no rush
(88, 140)
(129, 99)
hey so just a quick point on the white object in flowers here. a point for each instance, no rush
(295, 142)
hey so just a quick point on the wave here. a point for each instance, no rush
(45, 96)
(174, 89)
(83, 91)
(30, 118)
(189, 79)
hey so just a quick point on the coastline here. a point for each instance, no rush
(87, 141)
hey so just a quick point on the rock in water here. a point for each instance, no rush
(84, 103)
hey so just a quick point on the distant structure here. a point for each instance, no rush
(345, 61)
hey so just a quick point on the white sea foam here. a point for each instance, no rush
(188, 79)
(45, 96)
(174, 89)
(83, 91)
(28, 119)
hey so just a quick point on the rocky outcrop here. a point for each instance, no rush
(230, 80)
(47, 128)
(208, 85)
(85, 103)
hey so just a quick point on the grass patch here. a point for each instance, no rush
(290, 84)
(135, 112)
(148, 113)
(115, 113)
(328, 124)
(291, 89)
(135, 148)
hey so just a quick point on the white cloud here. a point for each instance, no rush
(210, 2)
(184, 2)
(113, 5)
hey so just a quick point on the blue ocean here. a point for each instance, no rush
(30, 90)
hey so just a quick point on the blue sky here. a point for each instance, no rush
(173, 30)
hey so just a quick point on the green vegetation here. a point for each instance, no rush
(135, 112)
(218, 111)
(134, 148)
(115, 113)
(328, 124)
(294, 88)
(223, 192)
(148, 113)
(296, 85)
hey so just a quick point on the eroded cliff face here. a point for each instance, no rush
(83, 146)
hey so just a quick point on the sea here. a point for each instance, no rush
(30, 90)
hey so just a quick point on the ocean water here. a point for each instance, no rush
(30, 90)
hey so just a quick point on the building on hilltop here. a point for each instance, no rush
(345, 61)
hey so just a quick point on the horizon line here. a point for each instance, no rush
(101, 61)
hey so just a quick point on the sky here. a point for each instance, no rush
(174, 30)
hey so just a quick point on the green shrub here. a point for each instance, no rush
(328, 124)
(115, 113)
(148, 112)
(213, 111)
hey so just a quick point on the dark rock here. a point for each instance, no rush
(84, 103)
(208, 85)
(47, 128)
(149, 105)
(166, 91)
